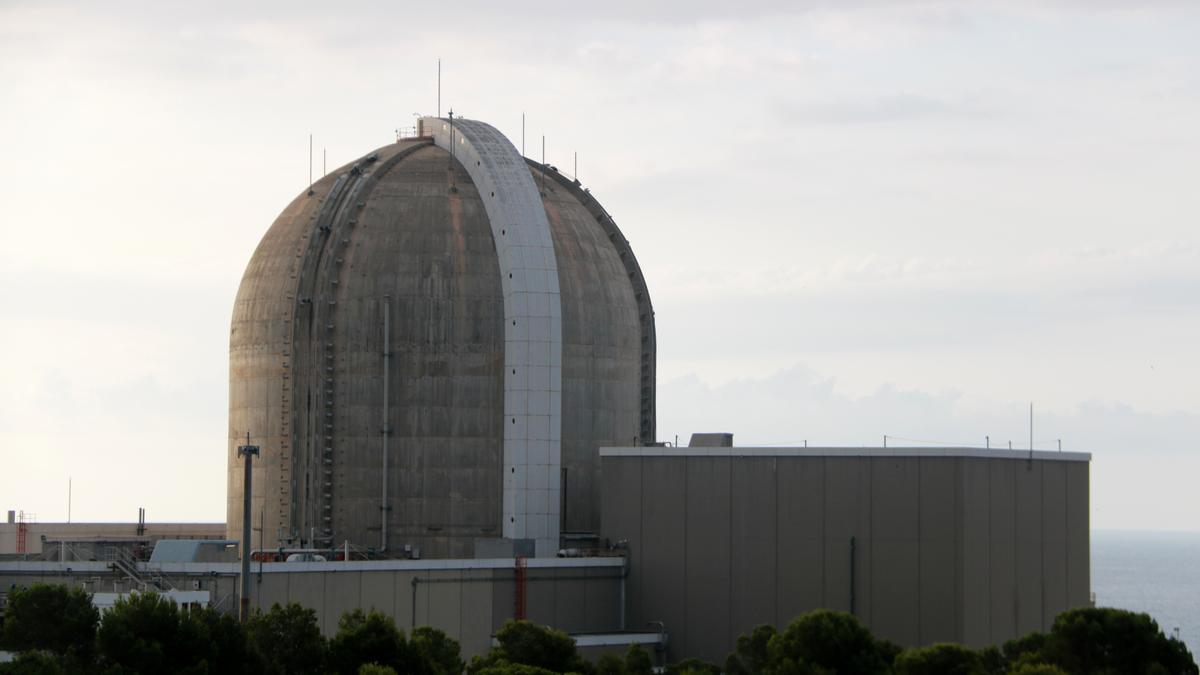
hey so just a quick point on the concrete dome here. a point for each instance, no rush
(477, 323)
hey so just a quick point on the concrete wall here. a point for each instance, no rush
(958, 545)
(469, 599)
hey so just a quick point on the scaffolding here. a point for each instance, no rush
(23, 521)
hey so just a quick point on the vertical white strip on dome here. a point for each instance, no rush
(532, 326)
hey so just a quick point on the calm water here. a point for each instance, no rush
(1153, 572)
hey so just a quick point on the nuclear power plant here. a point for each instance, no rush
(445, 354)
(430, 346)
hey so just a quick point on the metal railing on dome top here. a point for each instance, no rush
(407, 132)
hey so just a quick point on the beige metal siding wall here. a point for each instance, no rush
(963, 549)
(468, 604)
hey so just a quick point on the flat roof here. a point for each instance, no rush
(423, 565)
(976, 453)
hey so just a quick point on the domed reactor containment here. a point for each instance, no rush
(430, 346)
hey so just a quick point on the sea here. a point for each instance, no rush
(1153, 572)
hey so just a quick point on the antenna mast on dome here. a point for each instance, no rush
(439, 88)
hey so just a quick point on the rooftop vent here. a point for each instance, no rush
(711, 440)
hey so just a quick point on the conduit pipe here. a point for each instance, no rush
(386, 429)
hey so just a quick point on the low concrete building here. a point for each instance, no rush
(469, 599)
(922, 544)
(30, 538)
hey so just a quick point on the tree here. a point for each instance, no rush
(51, 617)
(439, 654)
(1037, 669)
(751, 654)
(527, 643)
(146, 633)
(1102, 640)
(635, 662)
(229, 648)
(828, 640)
(693, 667)
(375, 669)
(939, 659)
(370, 638)
(287, 640)
(638, 661)
(508, 668)
(33, 662)
(610, 664)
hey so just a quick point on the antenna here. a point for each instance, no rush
(310, 190)
(543, 165)
(575, 171)
(439, 88)
(323, 156)
(1031, 434)
(522, 134)
(68, 499)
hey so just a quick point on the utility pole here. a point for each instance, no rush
(249, 452)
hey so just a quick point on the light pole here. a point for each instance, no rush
(249, 452)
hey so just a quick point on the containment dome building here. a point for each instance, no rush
(429, 346)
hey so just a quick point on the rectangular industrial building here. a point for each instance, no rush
(924, 545)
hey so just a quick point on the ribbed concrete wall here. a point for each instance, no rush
(963, 546)
(307, 358)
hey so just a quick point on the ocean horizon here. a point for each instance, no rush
(1153, 572)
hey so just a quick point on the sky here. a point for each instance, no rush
(856, 219)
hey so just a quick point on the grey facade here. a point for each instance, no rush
(923, 545)
(469, 599)
(376, 319)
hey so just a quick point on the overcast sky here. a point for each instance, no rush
(856, 219)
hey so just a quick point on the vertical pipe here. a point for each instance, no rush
(245, 598)
(624, 575)
(262, 533)
(852, 575)
(248, 452)
(387, 430)
(413, 624)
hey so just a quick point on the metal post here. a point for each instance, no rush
(439, 88)
(248, 452)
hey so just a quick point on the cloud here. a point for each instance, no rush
(897, 107)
